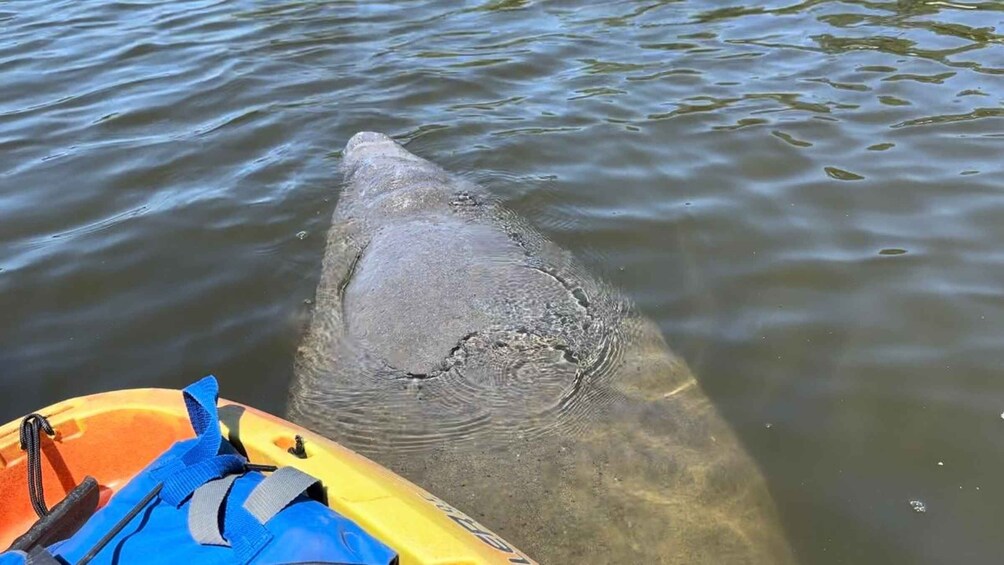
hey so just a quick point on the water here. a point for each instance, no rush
(806, 198)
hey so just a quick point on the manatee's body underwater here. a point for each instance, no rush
(454, 344)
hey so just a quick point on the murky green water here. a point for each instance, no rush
(806, 196)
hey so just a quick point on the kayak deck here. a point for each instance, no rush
(112, 436)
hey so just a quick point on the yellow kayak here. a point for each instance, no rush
(143, 423)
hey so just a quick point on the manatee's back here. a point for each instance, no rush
(456, 346)
(456, 321)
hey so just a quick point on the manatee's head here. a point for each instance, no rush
(375, 165)
(374, 145)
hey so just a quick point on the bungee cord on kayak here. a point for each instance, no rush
(31, 442)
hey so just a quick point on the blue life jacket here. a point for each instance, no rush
(203, 505)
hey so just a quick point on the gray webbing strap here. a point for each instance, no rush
(276, 491)
(204, 513)
(41, 556)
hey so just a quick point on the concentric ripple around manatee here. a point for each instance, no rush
(513, 381)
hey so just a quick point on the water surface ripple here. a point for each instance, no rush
(805, 195)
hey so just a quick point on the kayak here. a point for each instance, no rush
(113, 436)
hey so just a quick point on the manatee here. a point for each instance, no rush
(453, 343)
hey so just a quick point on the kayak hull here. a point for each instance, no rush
(112, 436)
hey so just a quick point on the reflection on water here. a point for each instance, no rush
(805, 196)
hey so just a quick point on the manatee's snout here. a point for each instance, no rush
(367, 145)
(376, 164)
(367, 140)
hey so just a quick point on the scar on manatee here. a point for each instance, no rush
(418, 378)
(575, 291)
(463, 199)
(350, 272)
(567, 353)
(516, 238)
(347, 278)
(460, 344)
(682, 388)
(446, 366)
(452, 359)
